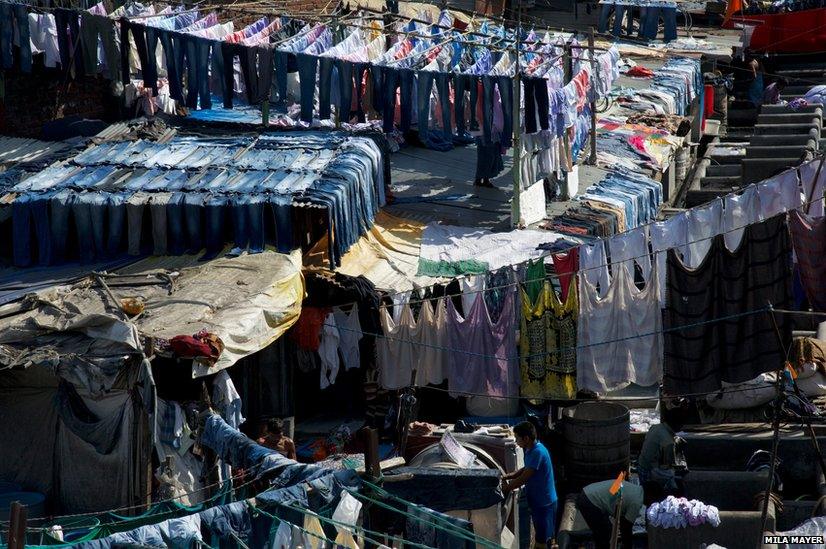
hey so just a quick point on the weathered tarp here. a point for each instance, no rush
(85, 452)
(78, 330)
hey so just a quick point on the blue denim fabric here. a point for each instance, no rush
(537, 104)
(8, 14)
(401, 79)
(194, 220)
(153, 36)
(281, 65)
(175, 224)
(116, 223)
(281, 208)
(360, 69)
(31, 211)
(325, 79)
(345, 83)
(652, 20)
(377, 78)
(215, 212)
(68, 39)
(307, 68)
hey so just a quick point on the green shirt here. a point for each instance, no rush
(600, 495)
(657, 448)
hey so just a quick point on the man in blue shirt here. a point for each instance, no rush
(537, 476)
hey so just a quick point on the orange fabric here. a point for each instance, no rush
(733, 7)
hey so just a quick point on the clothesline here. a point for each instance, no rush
(558, 350)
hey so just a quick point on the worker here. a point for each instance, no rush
(597, 505)
(771, 95)
(537, 476)
(275, 439)
(660, 459)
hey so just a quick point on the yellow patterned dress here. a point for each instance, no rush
(546, 326)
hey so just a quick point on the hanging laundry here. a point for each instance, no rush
(814, 186)
(619, 334)
(671, 234)
(704, 223)
(226, 400)
(630, 251)
(307, 330)
(431, 353)
(739, 211)
(809, 241)
(547, 344)
(698, 358)
(328, 351)
(566, 266)
(482, 356)
(349, 336)
(396, 355)
(779, 194)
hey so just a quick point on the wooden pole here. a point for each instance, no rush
(778, 399)
(17, 526)
(372, 464)
(593, 159)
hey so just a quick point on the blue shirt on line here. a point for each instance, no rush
(540, 489)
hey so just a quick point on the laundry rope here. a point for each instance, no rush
(560, 349)
(356, 528)
(450, 529)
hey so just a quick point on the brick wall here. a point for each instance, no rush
(30, 100)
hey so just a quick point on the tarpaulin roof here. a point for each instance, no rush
(247, 301)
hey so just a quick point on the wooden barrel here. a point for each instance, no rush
(597, 442)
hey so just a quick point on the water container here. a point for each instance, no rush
(35, 504)
(7, 486)
(597, 442)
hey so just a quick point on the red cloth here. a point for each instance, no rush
(190, 347)
(640, 72)
(566, 265)
(307, 331)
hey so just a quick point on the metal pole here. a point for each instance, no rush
(516, 212)
(593, 159)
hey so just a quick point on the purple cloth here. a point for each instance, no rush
(487, 364)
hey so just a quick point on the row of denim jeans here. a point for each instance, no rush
(650, 14)
(114, 209)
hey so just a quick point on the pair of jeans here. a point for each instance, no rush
(536, 104)
(89, 213)
(9, 13)
(345, 83)
(402, 80)
(282, 62)
(257, 72)
(377, 81)
(281, 207)
(360, 69)
(652, 21)
(248, 224)
(432, 138)
(92, 28)
(30, 212)
(195, 50)
(325, 83)
(307, 68)
(68, 39)
(461, 84)
(116, 222)
(153, 36)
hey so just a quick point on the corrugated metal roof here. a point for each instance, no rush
(16, 150)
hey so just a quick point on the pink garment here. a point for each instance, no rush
(582, 83)
(98, 9)
(246, 32)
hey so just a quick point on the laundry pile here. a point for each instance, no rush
(682, 513)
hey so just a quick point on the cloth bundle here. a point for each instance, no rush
(681, 513)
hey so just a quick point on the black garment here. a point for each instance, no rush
(256, 68)
(489, 162)
(756, 274)
(149, 72)
(600, 525)
(536, 104)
